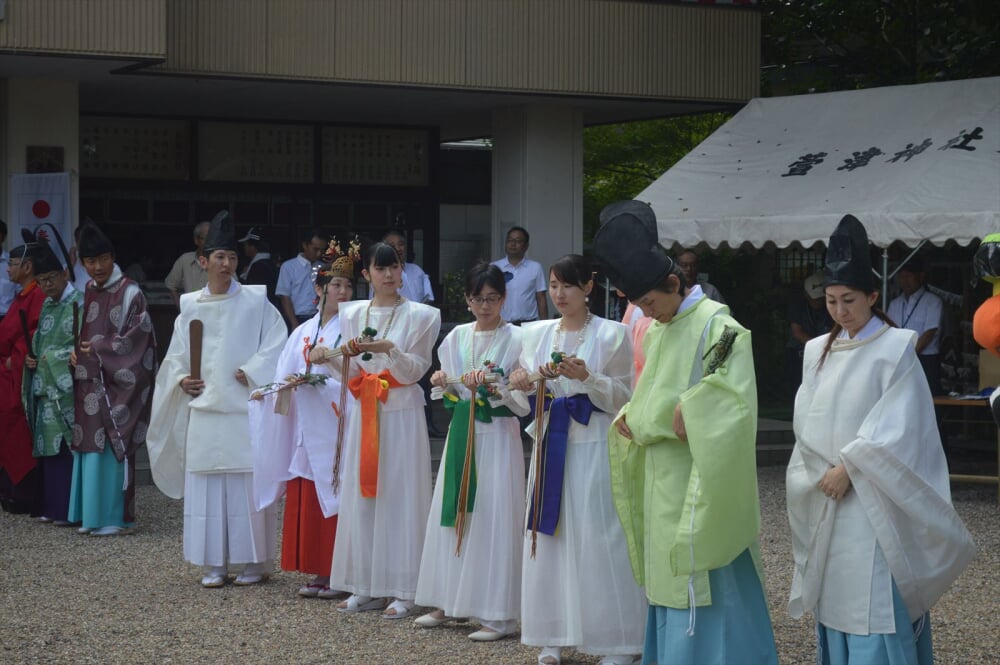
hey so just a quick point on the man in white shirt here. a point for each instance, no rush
(187, 275)
(919, 310)
(688, 261)
(295, 285)
(416, 284)
(7, 288)
(527, 285)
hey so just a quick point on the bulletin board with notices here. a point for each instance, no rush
(255, 152)
(375, 156)
(144, 148)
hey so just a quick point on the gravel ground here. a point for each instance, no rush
(68, 598)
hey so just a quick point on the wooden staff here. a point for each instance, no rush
(26, 331)
(341, 418)
(330, 354)
(536, 512)
(463, 487)
(457, 380)
(196, 330)
(76, 325)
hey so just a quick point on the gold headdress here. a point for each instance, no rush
(340, 263)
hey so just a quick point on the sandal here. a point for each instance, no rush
(549, 656)
(356, 603)
(326, 593)
(311, 590)
(620, 659)
(213, 581)
(434, 619)
(400, 609)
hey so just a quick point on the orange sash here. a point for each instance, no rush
(369, 390)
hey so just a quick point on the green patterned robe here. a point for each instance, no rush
(47, 392)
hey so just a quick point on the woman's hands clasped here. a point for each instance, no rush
(835, 483)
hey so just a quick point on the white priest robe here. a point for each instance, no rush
(379, 540)
(192, 439)
(869, 408)
(303, 443)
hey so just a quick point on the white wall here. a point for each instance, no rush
(45, 113)
(538, 179)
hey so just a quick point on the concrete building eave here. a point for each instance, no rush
(125, 86)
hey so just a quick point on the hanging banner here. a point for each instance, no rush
(37, 198)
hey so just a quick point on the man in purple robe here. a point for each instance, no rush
(114, 370)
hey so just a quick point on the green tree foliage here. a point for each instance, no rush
(619, 161)
(826, 45)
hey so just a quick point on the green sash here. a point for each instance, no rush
(454, 458)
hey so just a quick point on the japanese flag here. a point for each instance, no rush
(37, 198)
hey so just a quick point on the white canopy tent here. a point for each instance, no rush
(914, 163)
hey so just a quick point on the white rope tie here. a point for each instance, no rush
(691, 596)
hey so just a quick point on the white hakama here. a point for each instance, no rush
(221, 525)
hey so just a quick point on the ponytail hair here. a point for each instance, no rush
(835, 331)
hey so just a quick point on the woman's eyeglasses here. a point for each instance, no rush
(492, 299)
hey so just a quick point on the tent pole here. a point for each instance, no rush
(885, 278)
(885, 269)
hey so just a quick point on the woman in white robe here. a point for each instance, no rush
(875, 539)
(386, 486)
(577, 585)
(478, 576)
(294, 453)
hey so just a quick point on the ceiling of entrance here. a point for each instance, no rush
(106, 88)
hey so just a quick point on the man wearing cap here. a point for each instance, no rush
(527, 284)
(187, 275)
(47, 390)
(199, 442)
(295, 283)
(261, 269)
(807, 318)
(18, 478)
(919, 310)
(683, 459)
(113, 375)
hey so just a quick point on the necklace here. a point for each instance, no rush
(392, 315)
(477, 363)
(558, 339)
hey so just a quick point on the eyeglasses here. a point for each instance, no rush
(492, 299)
(514, 240)
(45, 280)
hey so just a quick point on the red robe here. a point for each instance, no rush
(15, 445)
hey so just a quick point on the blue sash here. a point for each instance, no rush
(553, 466)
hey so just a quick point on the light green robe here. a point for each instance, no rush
(47, 391)
(688, 508)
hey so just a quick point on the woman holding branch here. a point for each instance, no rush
(471, 565)
(577, 585)
(297, 434)
(386, 480)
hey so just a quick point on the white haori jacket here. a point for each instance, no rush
(869, 407)
(303, 443)
(211, 433)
